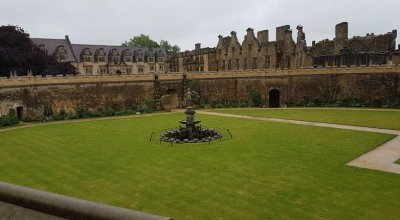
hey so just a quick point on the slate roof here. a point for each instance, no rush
(52, 44)
(75, 49)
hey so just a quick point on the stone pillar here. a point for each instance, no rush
(205, 60)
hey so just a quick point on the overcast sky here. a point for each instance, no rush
(186, 22)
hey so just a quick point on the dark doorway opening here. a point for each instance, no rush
(20, 113)
(274, 98)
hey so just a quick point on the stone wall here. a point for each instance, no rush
(375, 86)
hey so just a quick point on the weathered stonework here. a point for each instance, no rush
(257, 52)
(375, 86)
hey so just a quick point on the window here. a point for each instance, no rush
(161, 67)
(160, 59)
(128, 70)
(245, 64)
(233, 50)
(88, 70)
(250, 47)
(220, 51)
(140, 59)
(140, 70)
(248, 88)
(103, 70)
(254, 66)
(127, 59)
(267, 62)
(151, 59)
(230, 65)
(101, 59)
(151, 67)
(223, 65)
(237, 64)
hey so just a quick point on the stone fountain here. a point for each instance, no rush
(190, 131)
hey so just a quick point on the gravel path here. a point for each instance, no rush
(381, 158)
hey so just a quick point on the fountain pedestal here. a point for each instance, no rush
(191, 133)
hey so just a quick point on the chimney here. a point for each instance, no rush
(342, 30)
(262, 36)
(233, 34)
(394, 32)
(197, 46)
(313, 43)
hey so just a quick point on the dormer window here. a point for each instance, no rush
(160, 59)
(61, 54)
(126, 54)
(140, 59)
(113, 55)
(100, 55)
(86, 55)
(250, 47)
(43, 48)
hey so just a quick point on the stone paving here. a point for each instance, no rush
(382, 158)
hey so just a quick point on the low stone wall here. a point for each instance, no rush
(375, 85)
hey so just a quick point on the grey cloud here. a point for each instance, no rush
(186, 22)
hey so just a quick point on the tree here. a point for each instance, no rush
(141, 41)
(145, 41)
(171, 50)
(18, 53)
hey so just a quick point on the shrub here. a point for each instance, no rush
(255, 98)
(10, 119)
(48, 110)
(82, 112)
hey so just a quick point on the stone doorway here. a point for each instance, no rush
(274, 98)
(20, 113)
(172, 101)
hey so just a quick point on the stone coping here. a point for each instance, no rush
(66, 207)
(29, 81)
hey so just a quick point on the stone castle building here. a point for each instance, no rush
(103, 60)
(258, 52)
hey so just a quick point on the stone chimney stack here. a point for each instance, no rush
(313, 43)
(233, 34)
(263, 36)
(342, 31)
(280, 32)
(395, 32)
(250, 32)
(197, 46)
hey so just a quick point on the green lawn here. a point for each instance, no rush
(367, 118)
(268, 170)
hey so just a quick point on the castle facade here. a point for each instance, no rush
(257, 52)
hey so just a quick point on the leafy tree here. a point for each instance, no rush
(18, 53)
(145, 41)
(171, 50)
(141, 41)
